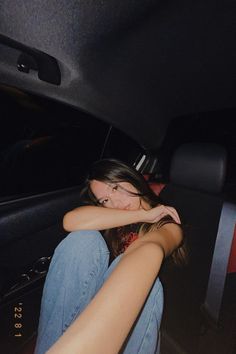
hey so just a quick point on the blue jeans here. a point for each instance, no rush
(78, 269)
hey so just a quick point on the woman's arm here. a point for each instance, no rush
(105, 323)
(167, 238)
(99, 218)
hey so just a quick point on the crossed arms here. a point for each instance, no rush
(103, 321)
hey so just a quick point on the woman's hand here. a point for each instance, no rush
(155, 214)
(98, 218)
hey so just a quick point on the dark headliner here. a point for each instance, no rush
(136, 64)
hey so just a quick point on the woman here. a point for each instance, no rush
(117, 307)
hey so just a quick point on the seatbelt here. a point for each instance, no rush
(220, 261)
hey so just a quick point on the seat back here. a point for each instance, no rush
(196, 180)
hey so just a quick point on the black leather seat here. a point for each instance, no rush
(196, 179)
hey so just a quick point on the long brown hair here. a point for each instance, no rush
(115, 171)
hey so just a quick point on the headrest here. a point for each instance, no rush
(199, 166)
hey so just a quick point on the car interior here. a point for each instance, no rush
(193, 175)
(152, 85)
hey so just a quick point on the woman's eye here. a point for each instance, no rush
(103, 202)
(114, 188)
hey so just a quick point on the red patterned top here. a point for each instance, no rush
(127, 240)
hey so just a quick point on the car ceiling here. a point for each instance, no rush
(135, 64)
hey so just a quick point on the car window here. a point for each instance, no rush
(44, 145)
(122, 147)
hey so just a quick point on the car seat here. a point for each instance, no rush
(197, 176)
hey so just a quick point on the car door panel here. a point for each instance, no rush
(30, 229)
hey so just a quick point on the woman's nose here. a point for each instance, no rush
(118, 203)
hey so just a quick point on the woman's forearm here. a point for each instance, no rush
(105, 323)
(98, 218)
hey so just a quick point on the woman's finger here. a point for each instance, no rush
(172, 212)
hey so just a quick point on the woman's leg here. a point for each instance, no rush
(144, 336)
(75, 274)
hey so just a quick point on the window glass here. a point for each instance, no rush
(122, 147)
(44, 145)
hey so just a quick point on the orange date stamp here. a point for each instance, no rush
(18, 320)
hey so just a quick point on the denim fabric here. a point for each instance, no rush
(78, 269)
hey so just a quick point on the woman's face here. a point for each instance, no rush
(116, 195)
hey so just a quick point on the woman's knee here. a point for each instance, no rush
(82, 242)
(81, 255)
